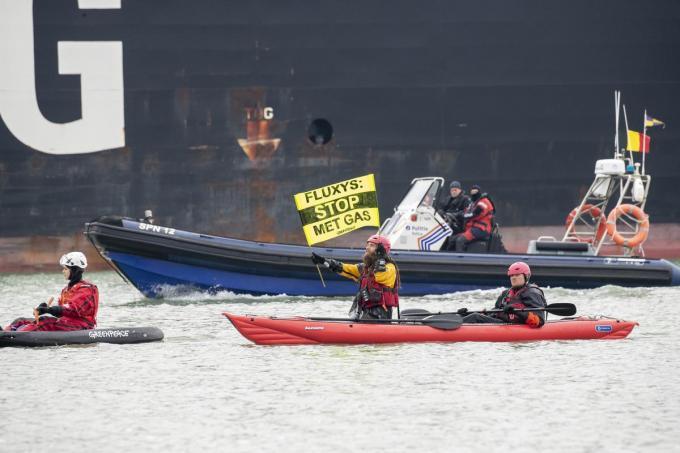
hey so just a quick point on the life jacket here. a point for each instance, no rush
(379, 295)
(514, 299)
(80, 304)
(484, 220)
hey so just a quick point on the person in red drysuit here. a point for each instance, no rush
(77, 306)
(478, 217)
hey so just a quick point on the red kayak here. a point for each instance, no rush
(268, 330)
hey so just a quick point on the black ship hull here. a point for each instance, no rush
(223, 110)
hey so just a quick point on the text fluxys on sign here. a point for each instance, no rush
(331, 211)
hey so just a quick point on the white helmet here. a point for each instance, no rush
(76, 259)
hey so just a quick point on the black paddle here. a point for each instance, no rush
(443, 321)
(558, 308)
(446, 321)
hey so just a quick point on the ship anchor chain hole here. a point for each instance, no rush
(320, 131)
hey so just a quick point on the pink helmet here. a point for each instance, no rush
(377, 239)
(519, 268)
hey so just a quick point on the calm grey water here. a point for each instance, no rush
(207, 388)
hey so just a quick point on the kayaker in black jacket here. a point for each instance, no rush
(455, 206)
(521, 295)
(378, 278)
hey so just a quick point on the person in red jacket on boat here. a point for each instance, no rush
(378, 278)
(521, 295)
(77, 306)
(478, 217)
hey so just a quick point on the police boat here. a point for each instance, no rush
(163, 261)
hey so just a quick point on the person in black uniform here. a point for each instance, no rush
(455, 206)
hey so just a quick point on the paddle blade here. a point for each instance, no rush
(415, 312)
(444, 321)
(561, 309)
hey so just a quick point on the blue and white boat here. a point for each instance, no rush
(159, 260)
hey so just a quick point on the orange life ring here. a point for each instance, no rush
(640, 216)
(595, 213)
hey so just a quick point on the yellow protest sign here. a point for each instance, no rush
(331, 211)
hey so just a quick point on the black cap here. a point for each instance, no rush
(455, 185)
(476, 187)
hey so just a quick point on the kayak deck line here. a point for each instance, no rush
(265, 330)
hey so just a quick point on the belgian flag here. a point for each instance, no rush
(638, 142)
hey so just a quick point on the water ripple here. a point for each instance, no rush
(207, 388)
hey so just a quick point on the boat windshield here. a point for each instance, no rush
(422, 193)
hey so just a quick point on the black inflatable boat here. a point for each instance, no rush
(155, 258)
(119, 335)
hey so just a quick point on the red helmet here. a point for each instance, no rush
(519, 268)
(377, 239)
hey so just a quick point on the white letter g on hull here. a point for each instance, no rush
(100, 65)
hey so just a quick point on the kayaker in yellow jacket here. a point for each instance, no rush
(378, 278)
